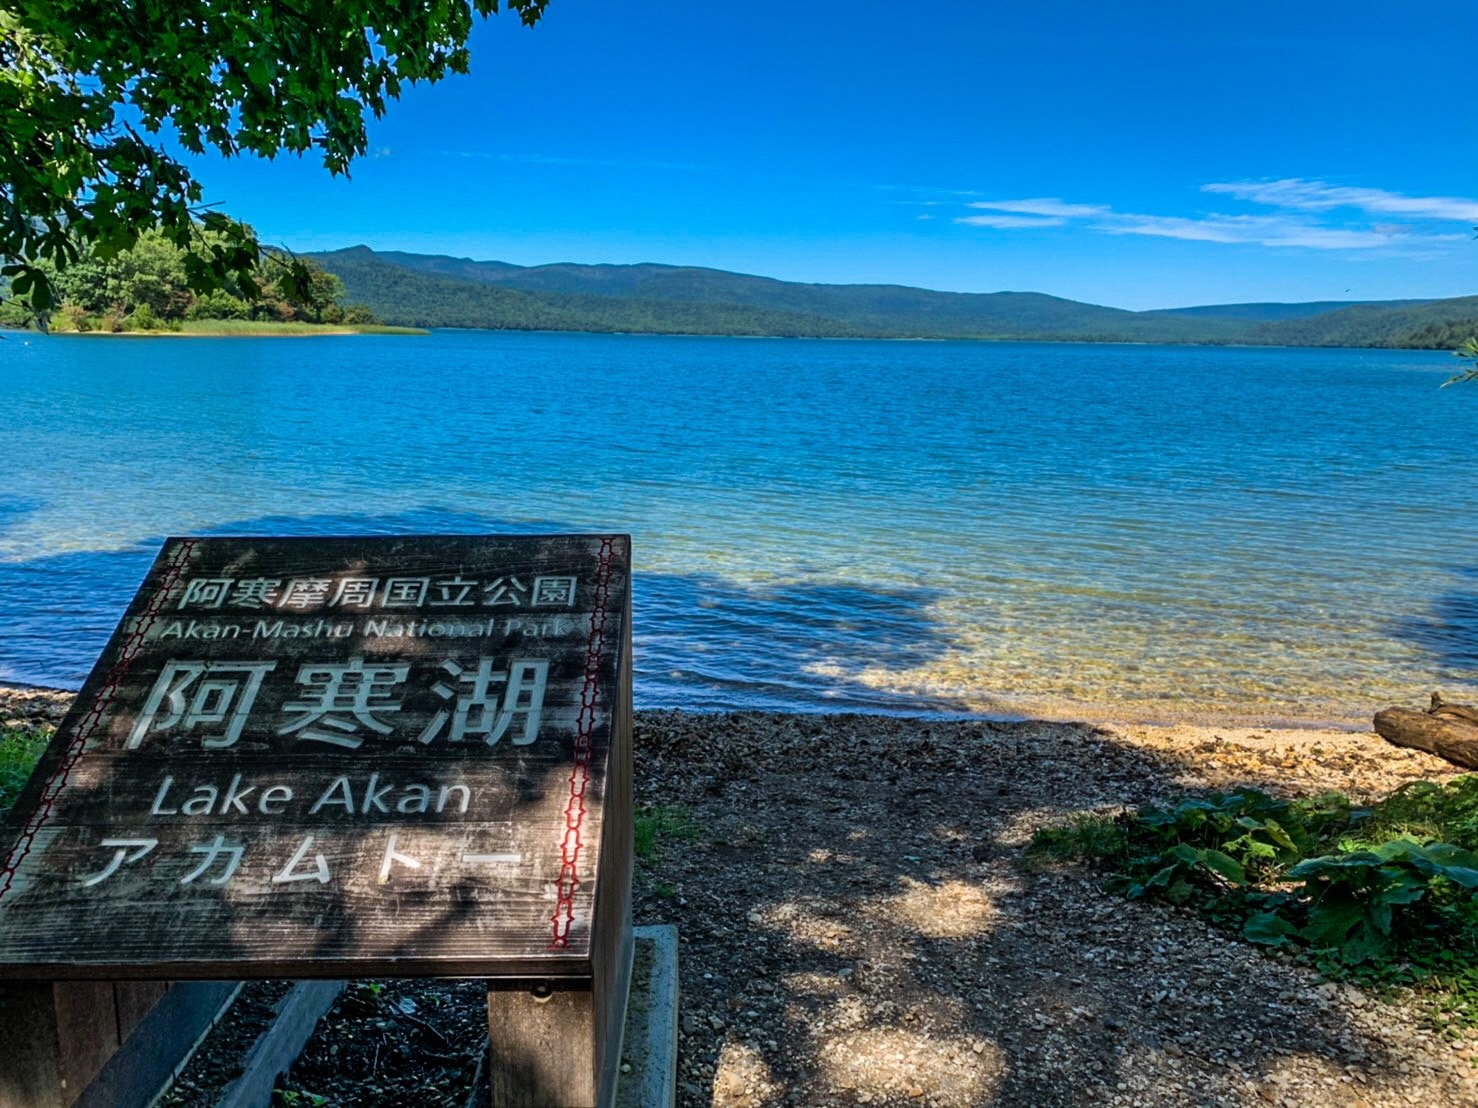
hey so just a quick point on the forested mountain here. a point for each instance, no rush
(1276, 313)
(1436, 325)
(440, 301)
(438, 291)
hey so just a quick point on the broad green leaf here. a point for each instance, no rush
(1363, 945)
(1331, 865)
(1224, 865)
(1278, 835)
(1268, 929)
(1330, 925)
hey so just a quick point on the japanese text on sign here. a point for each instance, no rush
(302, 594)
(339, 703)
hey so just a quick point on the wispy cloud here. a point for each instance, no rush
(1009, 222)
(1302, 217)
(1317, 196)
(1259, 230)
(1043, 205)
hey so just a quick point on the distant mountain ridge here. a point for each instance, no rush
(428, 290)
(1278, 312)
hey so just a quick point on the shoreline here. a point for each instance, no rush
(1114, 717)
(858, 922)
(325, 331)
(395, 329)
(285, 331)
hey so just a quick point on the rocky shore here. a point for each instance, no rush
(24, 708)
(857, 925)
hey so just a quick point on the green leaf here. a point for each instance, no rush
(1278, 835)
(1379, 916)
(1162, 877)
(1364, 945)
(1268, 929)
(1330, 925)
(1224, 865)
(1185, 853)
(1452, 862)
(1335, 865)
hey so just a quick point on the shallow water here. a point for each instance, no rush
(1138, 531)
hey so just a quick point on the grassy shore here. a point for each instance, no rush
(248, 328)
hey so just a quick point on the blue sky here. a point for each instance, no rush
(1139, 154)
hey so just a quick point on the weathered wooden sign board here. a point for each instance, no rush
(334, 757)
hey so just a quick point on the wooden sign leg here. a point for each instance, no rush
(57, 1036)
(30, 1063)
(541, 1048)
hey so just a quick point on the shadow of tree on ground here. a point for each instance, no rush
(855, 926)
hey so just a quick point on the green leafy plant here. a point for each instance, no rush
(1388, 893)
(19, 751)
(1469, 352)
(1428, 811)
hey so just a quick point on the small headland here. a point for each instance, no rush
(242, 328)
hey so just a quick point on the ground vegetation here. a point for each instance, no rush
(148, 288)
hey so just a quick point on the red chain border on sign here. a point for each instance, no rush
(88, 725)
(570, 847)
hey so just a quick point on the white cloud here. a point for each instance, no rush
(1043, 205)
(1009, 222)
(1298, 224)
(1316, 196)
(1259, 230)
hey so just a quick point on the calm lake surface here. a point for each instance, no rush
(1067, 530)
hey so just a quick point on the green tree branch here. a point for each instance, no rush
(87, 87)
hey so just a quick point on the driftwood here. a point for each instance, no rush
(1440, 707)
(1447, 730)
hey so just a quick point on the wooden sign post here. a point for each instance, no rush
(353, 757)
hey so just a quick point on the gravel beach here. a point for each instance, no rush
(857, 926)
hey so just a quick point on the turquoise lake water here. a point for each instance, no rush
(1078, 531)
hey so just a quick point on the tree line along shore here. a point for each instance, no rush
(153, 288)
(147, 290)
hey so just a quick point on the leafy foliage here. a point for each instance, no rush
(1385, 893)
(148, 288)
(18, 753)
(85, 88)
(1468, 350)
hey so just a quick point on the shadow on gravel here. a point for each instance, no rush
(704, 642)
(856, 927)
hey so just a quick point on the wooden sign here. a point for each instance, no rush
(331, 757)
